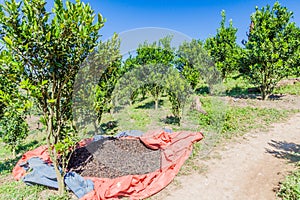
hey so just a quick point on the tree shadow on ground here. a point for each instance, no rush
(243, 93)
(27, 147)
(285, 150)
(171, 120)
(275, 97)
(7, 166)
(118, 108)
(250, 93)
(150, 105)
(109, 126)
(202, 90)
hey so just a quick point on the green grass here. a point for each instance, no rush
(289, 89)
(18, 190)
(237, 86)
(241, 120)
(7, 161)
(230, 121)
(240, 87)
(142, 116)
(290, 188)
(11, 189)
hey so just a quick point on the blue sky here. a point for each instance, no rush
(197, 19)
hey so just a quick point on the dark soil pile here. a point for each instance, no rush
(111, 158)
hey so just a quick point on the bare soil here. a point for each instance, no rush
(111, 158)
(250, 167)
(284, 102)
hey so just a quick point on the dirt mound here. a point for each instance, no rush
(285, 82)
(111, 158)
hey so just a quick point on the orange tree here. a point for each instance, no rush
(272, 50)
(13, 104)
(50, 47)
(223, 48)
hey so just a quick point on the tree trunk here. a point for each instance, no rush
(95, 126)
(156, 103)
(59, 175)
(263, 93)
(53, 155)
(264, 87)
(14, 152)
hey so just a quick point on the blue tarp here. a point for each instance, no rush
(41, 173)
(78, 184)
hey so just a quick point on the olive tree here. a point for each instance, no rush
(50, 46)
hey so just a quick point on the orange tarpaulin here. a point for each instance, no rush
(175, 149)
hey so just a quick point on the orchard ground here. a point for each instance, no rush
(247, 167)
(258, 147)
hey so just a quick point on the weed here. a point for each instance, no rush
(290, 188)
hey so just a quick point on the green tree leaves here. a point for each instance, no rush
(194, 63)
(153, 61)
(13, 103)
(223, 48)
(51, 51)
(13, 127)
(157, 69)
(272, 48)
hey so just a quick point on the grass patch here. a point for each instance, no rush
(288, 89)
(238, 86)
(7, 164)
(18, 190)
(290, 188)
(128, 119)
(142, 116)
(230, 121)
(240, 120)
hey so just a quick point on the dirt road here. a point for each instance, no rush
(248, 168)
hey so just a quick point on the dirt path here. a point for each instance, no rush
(248, 168)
